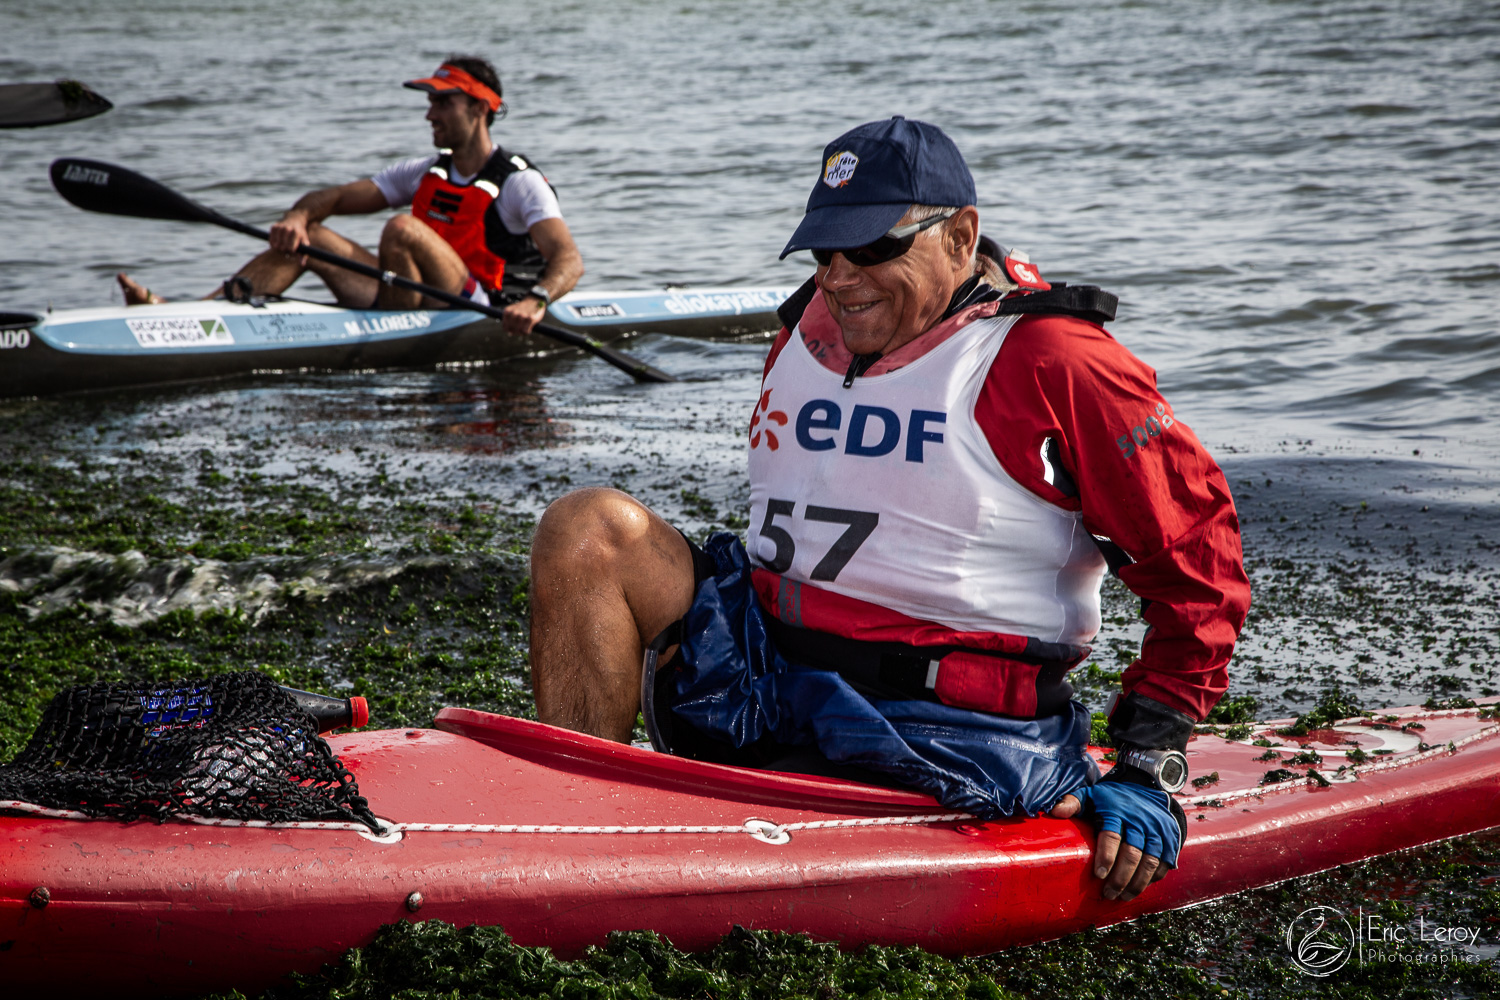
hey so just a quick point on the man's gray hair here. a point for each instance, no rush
(921, 213)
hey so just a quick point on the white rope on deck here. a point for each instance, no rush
(764, 830)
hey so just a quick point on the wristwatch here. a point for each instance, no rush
(1150, 738)
(540, 292)
(1164, 769)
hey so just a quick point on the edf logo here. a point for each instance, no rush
(873, 431)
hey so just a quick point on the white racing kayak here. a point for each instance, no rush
(76, 350)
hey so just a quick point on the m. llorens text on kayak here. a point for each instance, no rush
(946, 455)
(484, 222)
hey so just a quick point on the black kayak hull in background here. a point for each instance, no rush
(31, 105)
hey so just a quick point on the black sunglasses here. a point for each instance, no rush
(893, 244)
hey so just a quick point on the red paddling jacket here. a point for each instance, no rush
(461, 215)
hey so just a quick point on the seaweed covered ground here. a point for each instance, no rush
(368, 534)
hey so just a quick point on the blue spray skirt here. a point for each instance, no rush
(734, 686)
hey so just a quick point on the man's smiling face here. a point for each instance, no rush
(882, 307)
(455, 118)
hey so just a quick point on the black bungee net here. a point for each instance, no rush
(236, 746)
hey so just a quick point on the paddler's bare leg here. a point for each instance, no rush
(412, 249)
(607, 575)
(272, 272)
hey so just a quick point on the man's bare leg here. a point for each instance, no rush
(607, 576)
(412, 249)
(271, 272)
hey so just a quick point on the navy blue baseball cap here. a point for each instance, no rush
(871, 175)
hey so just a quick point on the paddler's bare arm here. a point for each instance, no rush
(564, 268)
(359, 197)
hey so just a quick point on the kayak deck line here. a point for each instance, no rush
(778, 833)
(765, 830)
(1354, 771)
(759, 828)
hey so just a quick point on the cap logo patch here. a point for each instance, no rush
(839, 170)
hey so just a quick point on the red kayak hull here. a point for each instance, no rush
(183, 908)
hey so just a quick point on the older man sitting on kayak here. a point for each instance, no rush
(945, 455)
(484, 223)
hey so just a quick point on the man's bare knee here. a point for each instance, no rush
(591, 527)
(404, 231)
(607, 574)
(321, 236)
(609, 545)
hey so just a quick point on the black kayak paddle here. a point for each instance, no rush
(28, 105)
(114, 190)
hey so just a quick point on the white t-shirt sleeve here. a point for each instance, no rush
(525, 199)
(399, 181)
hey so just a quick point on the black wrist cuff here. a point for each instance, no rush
(1146, 722)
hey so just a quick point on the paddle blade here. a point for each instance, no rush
(632, 366)
(96, 186)
(29, 105)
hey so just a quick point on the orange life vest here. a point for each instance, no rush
(460, 214)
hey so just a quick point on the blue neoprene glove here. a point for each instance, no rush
(1141, 816)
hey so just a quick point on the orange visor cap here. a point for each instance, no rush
(449, 79)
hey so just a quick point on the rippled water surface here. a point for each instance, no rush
(1297, 202)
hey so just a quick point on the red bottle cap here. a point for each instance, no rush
(360, 710)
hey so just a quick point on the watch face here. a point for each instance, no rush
(1172, 773)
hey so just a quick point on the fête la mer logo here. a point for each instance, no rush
(763, 409)
(839, 170)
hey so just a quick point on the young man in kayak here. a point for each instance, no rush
(946, 454)
(484, 223)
